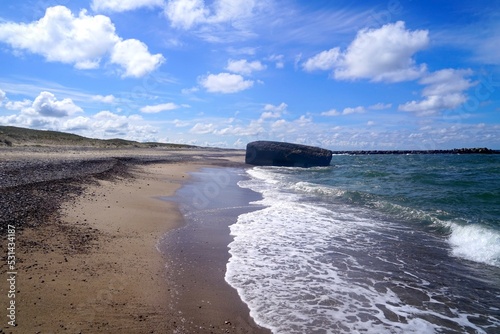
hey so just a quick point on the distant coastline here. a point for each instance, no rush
(482, 150)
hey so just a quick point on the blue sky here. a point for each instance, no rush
(397, 74)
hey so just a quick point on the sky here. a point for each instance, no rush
(343, 75)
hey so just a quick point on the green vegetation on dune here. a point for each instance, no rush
(15, 136)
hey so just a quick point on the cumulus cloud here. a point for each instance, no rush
(383, 54)
(13, 105)
(123, 5)
(111, 122)
(104, 124)
(46, 104)
(324, 61)
(60, 36)
(159, 108)
(444, 90)
(244, 67)
(225, 83)
(134, 57)
(18, 105)
(82, 41)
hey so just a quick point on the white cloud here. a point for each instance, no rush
(356, 110)
(104, 99)
(253, 129)
(48, 113)
(272, 111)
(229, 10)
(444, 90)
(446, 81)
(202, 128)
(60, 36)
(331, 112)
(225, 83)
(83, 41)
(47, 105)
(106, 119)
(244, 67)
(186, 13)
(218, 21)
(18, 105)
(134, 57)
(346, 111)
(123, 5)
(159, 108)
(384, 54)
(13, 105)
(106, 124)
(323, 61)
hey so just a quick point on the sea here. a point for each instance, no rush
(371, 244)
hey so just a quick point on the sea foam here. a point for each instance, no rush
(475, 243)
(307, 268)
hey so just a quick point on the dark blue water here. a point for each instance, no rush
(373, 244)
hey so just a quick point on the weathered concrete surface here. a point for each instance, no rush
(270, 153)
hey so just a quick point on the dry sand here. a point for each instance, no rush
(97, 269)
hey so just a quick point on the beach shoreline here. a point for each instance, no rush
(93, 266)
(198, 252)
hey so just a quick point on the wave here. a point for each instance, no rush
(306, 265)
(472, 241)
(475, 243)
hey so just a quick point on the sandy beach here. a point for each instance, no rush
(94, 267)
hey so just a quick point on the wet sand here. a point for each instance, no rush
(197, 253)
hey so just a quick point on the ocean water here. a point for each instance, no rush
(372, 244)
